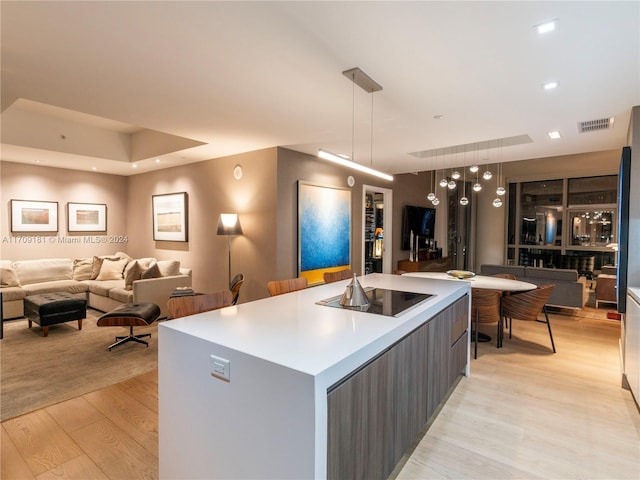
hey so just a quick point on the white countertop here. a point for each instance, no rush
(292, 331)
(634, 292)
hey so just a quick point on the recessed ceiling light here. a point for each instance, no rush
(94, 168)
(555, 134)
(550, 85)
(546, 27)
(134, 166)
(438, 117)
(157, 160)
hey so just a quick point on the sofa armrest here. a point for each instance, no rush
(157, 290)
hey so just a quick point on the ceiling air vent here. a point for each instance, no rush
(593, 125)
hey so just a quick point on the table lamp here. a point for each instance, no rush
(229, 224)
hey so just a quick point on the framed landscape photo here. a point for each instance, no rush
(324, 230)
(33, 216)
(170, 217)
(86, 217)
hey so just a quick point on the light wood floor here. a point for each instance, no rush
(523, 413)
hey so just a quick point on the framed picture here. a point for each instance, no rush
(31, 216)
(170, 217)
(324, 230)
(86, 217)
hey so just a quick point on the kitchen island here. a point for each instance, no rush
(285, 387)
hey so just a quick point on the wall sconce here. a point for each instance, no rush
(229, 224)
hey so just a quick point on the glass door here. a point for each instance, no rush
(376, 228)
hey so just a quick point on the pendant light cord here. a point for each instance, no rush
(353, 115)
(371, 149)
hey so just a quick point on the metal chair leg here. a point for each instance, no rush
(553, 346)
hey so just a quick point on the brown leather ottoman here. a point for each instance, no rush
(130, 315)
(52, 308)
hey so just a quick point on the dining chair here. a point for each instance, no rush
(278, 287)
(234, 287)
(330, 277)
(192, 304)
(485, 308)
(527, 306)
(508, 276)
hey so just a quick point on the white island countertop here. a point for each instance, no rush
(293, 331)
(269, 419)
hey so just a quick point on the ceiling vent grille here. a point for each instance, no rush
(593, 125)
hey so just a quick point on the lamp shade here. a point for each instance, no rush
(229, 224)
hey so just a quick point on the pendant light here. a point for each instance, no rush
(455, 175)
(452, 183)
(431, 195)
(365, 82)
(500, 190)
(487, 174)
(474, 168)
(464, 201)
(443, 181)
(497, 202)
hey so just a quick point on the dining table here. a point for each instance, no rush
(505, 285)
(479, 281)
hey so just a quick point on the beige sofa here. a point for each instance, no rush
(106, 282)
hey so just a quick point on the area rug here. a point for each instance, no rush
(37, 371)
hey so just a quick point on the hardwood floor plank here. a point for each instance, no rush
(12, 465)
(140, 423)
(116, 453)
(79, 468)
(41, 441)
(144, 388)
(74, 414)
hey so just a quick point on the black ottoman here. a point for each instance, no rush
(130, 315)
(52, 308)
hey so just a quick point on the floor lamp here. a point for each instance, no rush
(229, 224)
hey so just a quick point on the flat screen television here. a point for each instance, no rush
(420, 220)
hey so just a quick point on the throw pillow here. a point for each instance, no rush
(152, 272)
(112, 269)
(97, 265)
(82, 268)
(145, 262)
(8, 276)
(169, 268)
(132, 273)
(123, 255)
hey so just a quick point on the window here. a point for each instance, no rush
(587, 207)
(541, 213)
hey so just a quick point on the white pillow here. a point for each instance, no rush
(112, 269)
(82, 268)
(169, 268)
(8, 276)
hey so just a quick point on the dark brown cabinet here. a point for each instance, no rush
(375, 414)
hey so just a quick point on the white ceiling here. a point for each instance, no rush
(242, 76)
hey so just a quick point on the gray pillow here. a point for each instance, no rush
(132, 273)
(152, 272)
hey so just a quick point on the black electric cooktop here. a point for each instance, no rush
(382, 301)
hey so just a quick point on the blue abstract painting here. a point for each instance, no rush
(324, 228)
